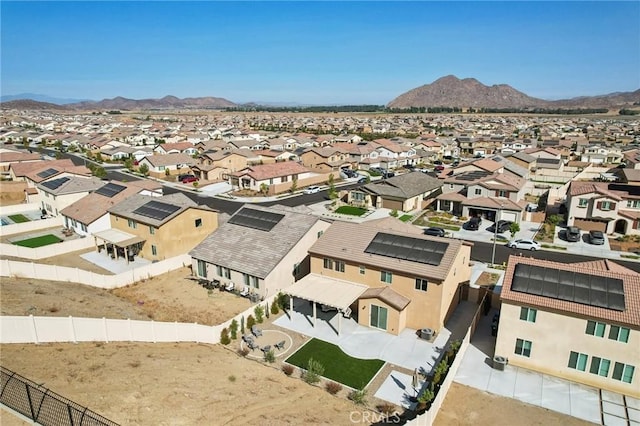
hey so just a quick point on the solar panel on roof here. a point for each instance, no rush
(548, 160)
(55, 183)
(156, 210)
(577, 287)
(110, 189)
(46, 173)
(256, 219)
(406, 248)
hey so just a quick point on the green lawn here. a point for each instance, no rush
(350, 210)
(405, 217)
(338, 366)
(19, 218)
(43, 240)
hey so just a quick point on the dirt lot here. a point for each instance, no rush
(12, 193)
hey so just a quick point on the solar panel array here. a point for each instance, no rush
(156, 210)
(256, 219)
(406, 248)
(474, 175)
(55, 183)
(46, 173)
(593, 290)
(110, 189)
(630, 189)
(548, 160)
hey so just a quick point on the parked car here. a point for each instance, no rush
(409, 166)
(189, 179)
(349, 173)
(439, 168)
(312, 189)
(524, 245)
(572, 233)
(387, 174)
(503, 226)
(434, 231)
(474, 223)
(185, 176)
(596, 238)
(363, 179)
(437, 163)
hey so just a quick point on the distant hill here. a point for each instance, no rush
(168, 102)
(28, 104)
(451, 91)
(39, 98)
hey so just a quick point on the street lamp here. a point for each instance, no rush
(495, 235)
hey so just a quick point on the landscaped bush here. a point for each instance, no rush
(314, 371)
(224, 336)
(243, 351)
(242, 324)
(234, 329)
(386, 408)
(288, 369)
(270, 357)
(274, 308)
(251, 321)
(259, 311)
(333, 387)
(283, 301)
(359, 396)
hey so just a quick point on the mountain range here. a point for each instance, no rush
(448, 91)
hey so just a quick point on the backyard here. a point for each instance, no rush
(19, 218)
(338, 366)
(42, 240)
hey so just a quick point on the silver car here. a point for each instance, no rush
(524, 245)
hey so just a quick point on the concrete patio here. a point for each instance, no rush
(115, 266)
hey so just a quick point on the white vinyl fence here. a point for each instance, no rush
(46, 251)
(33, 225)
(20, 208)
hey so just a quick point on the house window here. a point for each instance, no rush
(328, 263)
(339, 266)
(198, 223)
(421, 284)
(621, 334)
(245, 279)
(226, 272)
(357, 196)
(578, 361)
(633, 204)
(623, 372)
(583, 202)
(523, 347)
(595, 328)
(132, 224)
(606, 205)
(271, 181)
(362, 270)
(154, 250)
(83, 227)
(219, 270)
(600, 366)
(161, 168)
(284, 179)
(378, 317)
(202, 268)
(296, 269)
(478, 191)
(502, 193)
(255, 282)
(320, 233)
(152, 230)
(528, 314)
(386, 277)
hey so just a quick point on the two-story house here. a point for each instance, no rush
(275, 178)
(56, 194)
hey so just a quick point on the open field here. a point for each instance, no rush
(43, 240)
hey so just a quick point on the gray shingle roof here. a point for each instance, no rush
(253, 251)
(404, 186)
(127, 206)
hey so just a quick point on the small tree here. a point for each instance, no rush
(333, 194)
(264, 189)
(274, 308)
(167, 172)
(283, 301)
(242, 324)
(234, 329)
(393, 213)
(266, 310)
(99, 158)
(144, 169)
(224, 336)
(259, 311)
(314, 371)
(251, 321)
(128, 163)
(514, 229)
(294, 184)
(359, 396)
(269, 356)
(99, 171)
(195, 185)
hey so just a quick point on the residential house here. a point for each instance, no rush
(89, 214)
(217, 165)
(405, 192)
(275, 178)
(327, 159)
(57, 193)
(511, 146)
(599, 154)
(157, 228)
(390, 286)
(604, 206)
(576, 321)
(19, 170)
(176, 148)
(172, 164)
(260, 249)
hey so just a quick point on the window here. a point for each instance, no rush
(606, 205)
(320, 233)
(132, 224)
(600, 366)
(198, 223)
(595, 328)
(296, 269)
(339, 266)
(226, 272)
(161, 168)
(362, 270)
(583, 202)
(83, 227)
(219, 270)
(202, 268)
(623, 372)
(254, 282)
(284, 179)
(328, 263)
(421, 284)
(523, 347)
(152, 230)
(378, 317)
(502, 193)
(357, 196)
(271, 181)
(633, 204)
(245, 279)
(154, 250)
(528, 314)
(621, 334)
(578, 361)
(386, 277)
(478, 191)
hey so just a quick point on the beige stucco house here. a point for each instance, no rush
(578, 321)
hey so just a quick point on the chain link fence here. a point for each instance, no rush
(44, 406)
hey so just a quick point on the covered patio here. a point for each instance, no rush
(118, 243)
(332, 294)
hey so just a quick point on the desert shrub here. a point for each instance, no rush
(224, 336)
(259, 311)
(333, 387)
(386, 408)
(314, 371)
(251, 321)
(274, 308)
(243, 351)
(359, 396)
(288, 369)
(283, 301)
(234, 329)
(242, 324)
(232, 378)
(266, 310)
(393, 213)
(270, 357)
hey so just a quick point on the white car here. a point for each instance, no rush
(524, 245)
(312, 190)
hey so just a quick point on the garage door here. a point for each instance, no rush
(590, 225)
(392, 204)
(510, 216)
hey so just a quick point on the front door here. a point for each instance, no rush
(378, 317)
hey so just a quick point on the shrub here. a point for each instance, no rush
(288, 369)
(426, 396)
(242, 324)
(266, 309)
(234, 329)
(314, 371)
(333, 387)
(359, 396)
(393, 213)
(224, 336)
(243, 351)
(283, 301)
(259, 311)
(386, 408)
(269, 356)
(232, 378)
(251, 321)
(274, 308)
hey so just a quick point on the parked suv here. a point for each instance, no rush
(188, 179)
(503, 226)
(596, 238)
(474, 223)
(573, 234)
(436, 232)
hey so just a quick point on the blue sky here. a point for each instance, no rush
(315, 52)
